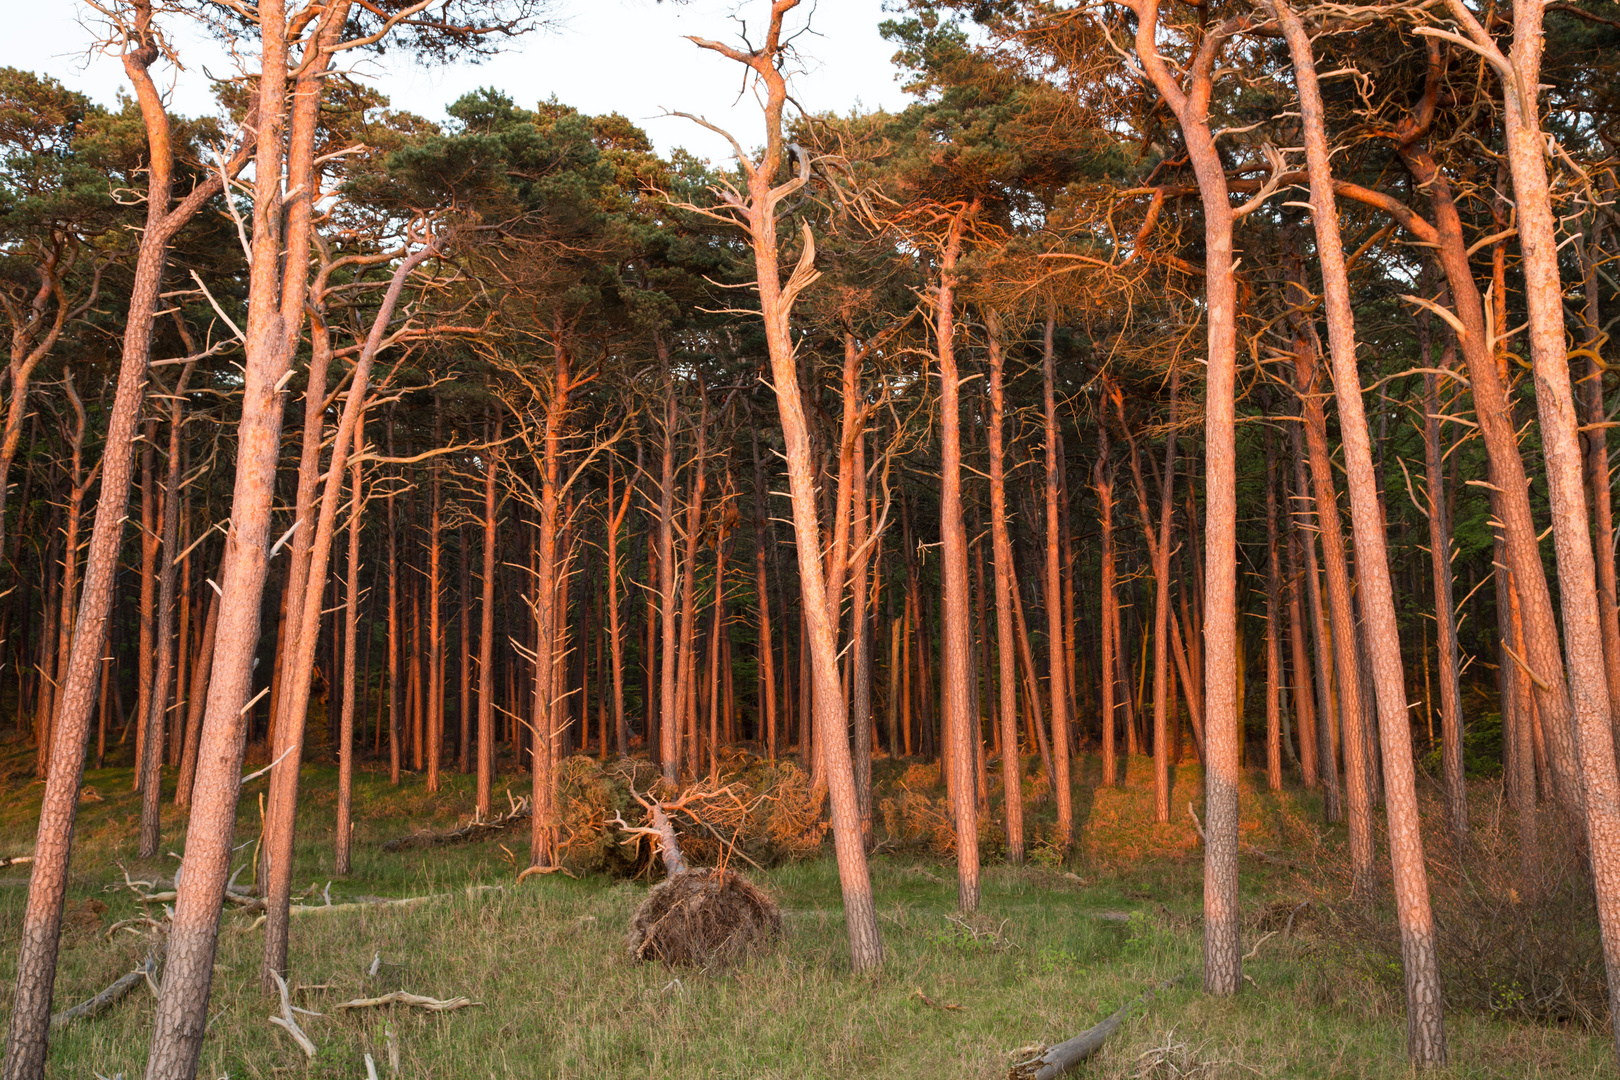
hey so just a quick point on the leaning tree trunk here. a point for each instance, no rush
(1347, 670)
(1425, 1026)
(1560, 443)
(351, 625)
(759, 213)
(305, 636)
(47, 887)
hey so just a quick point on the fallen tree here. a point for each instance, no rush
(696, 917)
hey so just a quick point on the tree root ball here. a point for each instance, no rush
(704, 919)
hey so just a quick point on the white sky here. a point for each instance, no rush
(625, 56)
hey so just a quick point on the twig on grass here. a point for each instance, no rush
(932, 1004)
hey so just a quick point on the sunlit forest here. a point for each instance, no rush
(1108, 566)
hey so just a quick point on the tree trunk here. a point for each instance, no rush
(1222, 723)
(957, 692)
(486, 627)
(152, 763)
(1425, 1027)
(1007, 681)
(351, 625)
(1057, 695)
(1109, 615)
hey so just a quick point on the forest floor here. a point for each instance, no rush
(1054, 949)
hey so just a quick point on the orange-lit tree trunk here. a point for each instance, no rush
(960, 717)
(1057, 661)
(41, 921)
(486, 626)
(152, 762)
(1003, 576)
(758, 212)
(1425, 1027)
(1520, 72)
(1103, 479)
(351, 626)
(1222, 732)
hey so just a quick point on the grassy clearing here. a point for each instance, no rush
(1054, 949)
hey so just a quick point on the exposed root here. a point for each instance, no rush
(704, 919)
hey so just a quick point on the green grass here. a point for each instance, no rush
(561, 997)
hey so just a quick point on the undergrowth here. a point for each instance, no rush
(1057, 945)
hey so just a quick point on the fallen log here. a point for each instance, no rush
(472, 831)
(400, 997)
(298, 910)
(1059, 1059)
(112, 995)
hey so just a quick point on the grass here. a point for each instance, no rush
(1054, 949)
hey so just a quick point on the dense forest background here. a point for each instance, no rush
(1199, 383)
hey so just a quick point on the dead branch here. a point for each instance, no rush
(400, 997)
(1059, 1059)
(286, 1020)
(113, 994)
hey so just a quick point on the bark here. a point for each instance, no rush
(1222, 949)
(197, 699)
(39, 934)
(1438, 513)
(1103, 478)
(1327, 715)
(615, 633)
(960, 716)
(306, 610)
(274, 317)
(1495, 419)
(1161, 618)
(759, 213)
(1425, 1027)
(668, 710)
(1520, 72)
(767, 656)
(1007, 682)
(394, 702)
(1273, 617)
(152, 762)
(1057, 695)
(148, 599)
(1347, 670)
(351, 625)
(1597, 465)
